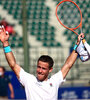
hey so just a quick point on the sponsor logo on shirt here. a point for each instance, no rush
(51, 84)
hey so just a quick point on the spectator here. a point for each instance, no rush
(10, 29)
(4, 84)
(7, 26)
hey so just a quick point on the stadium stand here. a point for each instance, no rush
(45, 29)
(38, 16)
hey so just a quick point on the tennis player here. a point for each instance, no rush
(40, 87)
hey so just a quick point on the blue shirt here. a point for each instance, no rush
(4, 81)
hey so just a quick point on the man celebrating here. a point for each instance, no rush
(40, 87)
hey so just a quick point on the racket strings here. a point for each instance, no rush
(69, 14)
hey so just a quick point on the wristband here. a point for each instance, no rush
(75, 47)
(7, 49)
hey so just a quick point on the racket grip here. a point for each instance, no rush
(83, 41)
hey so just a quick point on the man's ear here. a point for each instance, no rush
(50, 70)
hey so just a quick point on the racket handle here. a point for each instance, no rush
(87, 46)
(81, 30)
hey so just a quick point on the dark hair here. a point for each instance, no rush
(3, 68)
(48, 59)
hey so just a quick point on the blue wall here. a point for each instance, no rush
(74, 93)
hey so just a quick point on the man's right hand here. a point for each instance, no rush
(4, 35)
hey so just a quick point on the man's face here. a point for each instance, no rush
(1, 72)
(43, 71)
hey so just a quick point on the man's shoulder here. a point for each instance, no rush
(59, 73)
(27, 75)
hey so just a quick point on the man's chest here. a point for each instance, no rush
(45, 90)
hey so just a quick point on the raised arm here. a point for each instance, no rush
(4, 36)
(71, 59)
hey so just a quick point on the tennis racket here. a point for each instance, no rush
(69, 16)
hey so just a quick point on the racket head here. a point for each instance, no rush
(73, 6)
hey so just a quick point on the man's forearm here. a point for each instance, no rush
(71, 59)
(11, 60)
(69, 63)
(9, 56)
